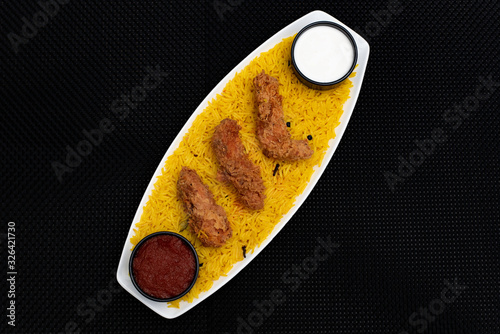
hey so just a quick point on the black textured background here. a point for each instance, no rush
(396, 248)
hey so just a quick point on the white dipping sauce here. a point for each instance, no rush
(323, 54)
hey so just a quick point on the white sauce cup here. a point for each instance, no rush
(323, 55)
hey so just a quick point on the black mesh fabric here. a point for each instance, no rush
(398, 249)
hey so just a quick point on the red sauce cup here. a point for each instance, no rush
(161, 266)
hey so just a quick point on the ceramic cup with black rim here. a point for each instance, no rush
(165, 238)
(323, 55)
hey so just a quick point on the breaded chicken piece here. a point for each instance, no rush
(235, 167)
(206, 218)
(271, 128)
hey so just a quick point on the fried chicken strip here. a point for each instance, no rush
(271, 128)
(235, 167)
(206, 218)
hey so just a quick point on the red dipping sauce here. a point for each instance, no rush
(164, 266)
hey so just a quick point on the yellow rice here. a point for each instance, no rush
(309, 111)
